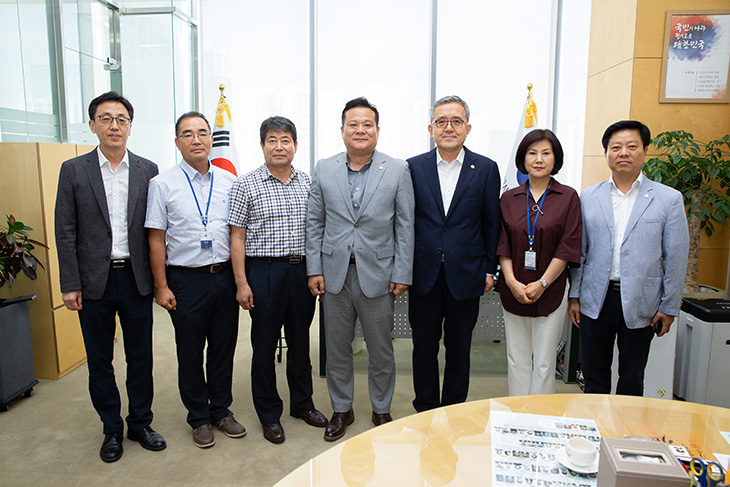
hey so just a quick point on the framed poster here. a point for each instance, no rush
(696, 61)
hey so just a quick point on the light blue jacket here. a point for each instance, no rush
(653, 253)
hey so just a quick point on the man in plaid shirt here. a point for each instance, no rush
(268, 208)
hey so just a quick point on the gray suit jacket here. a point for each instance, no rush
(653, 253)
(381, 236)
(83, 229)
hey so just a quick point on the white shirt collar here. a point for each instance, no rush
(636, 184)
(459, 158)
(103, 159)
(192, 172)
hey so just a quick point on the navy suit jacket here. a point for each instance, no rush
(83, 228)
(466, 238)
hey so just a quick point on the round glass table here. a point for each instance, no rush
(452, 445)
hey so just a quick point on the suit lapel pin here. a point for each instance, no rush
(472, 166)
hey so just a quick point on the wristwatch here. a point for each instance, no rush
(543, 282)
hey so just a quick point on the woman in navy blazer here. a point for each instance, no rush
(541, 236)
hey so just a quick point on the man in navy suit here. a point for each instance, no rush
(457, 229)
(104, 265)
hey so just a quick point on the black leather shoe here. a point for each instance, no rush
(111, 449)
(148, 438)
(338, 425)
(381, 418)
(274, 433)
(312, 418)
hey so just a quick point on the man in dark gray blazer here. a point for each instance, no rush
(103, 254)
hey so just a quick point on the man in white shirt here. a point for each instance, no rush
(105, 272)
(457, 230)
(190, 252)
(633, 261)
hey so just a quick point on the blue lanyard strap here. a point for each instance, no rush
(531, 233)
(203, 218)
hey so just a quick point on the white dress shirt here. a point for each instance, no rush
(448, 177)
(116, 186)
(171, 207)
(622, 206)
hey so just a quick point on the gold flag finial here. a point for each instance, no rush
(222, 106)
(530, 109)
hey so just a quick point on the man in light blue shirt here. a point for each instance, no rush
(187, 211)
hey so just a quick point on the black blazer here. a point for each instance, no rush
(83, 229)
(467, 237)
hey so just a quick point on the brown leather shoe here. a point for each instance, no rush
(312, 418)
(274, 433)
(338, 425)
(381, 418)
(203, 436)
(231, 427)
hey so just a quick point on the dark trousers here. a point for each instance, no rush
(207, 311)
(597, 340)
(280, 297)
(427, 315)
(97, 326)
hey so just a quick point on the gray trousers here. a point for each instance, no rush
(376, 317)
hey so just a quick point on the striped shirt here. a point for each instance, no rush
(273, 213)
(171, 207)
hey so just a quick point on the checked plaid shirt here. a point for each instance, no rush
(273, 213)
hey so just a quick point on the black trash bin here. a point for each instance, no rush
(17, 372)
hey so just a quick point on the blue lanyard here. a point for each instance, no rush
(203, 218)
(531, 234)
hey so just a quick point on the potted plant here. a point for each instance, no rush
(701, 172)
(15, 252)
(17, 373)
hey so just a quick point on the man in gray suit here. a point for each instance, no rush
(105, 270)
(633, 261)
(360, 246)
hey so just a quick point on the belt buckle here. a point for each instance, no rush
(118, 263)
(295, 259)
(216, 268)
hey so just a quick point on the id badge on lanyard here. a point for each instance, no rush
(206, 241)
(530, 260)
(531, 255)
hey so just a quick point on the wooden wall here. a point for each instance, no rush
(624, 79)
(28, 191)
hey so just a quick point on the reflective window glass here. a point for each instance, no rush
(148, 77)
(27, 109)
(371, 51)
(264, 65)
(487, 53)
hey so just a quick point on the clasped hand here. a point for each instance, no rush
(527, 293)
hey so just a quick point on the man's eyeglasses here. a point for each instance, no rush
(441, 123)
(107, 120)
(189, 136)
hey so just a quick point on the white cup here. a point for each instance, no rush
(580, 451)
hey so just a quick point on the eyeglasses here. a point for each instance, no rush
(441, 123)
(189, 136)
(107, 120)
